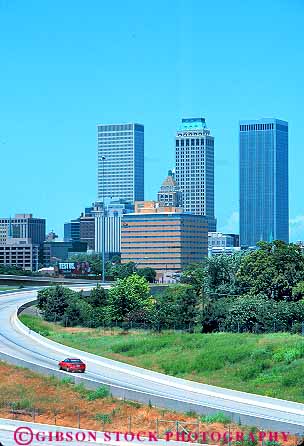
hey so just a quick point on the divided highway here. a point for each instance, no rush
(18, 345)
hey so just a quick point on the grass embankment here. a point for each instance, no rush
(269, 364)
(23, 391)
(8, 288)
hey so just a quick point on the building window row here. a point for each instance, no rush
(248, 127)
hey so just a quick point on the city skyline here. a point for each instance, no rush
(57, 83)
(183, 128)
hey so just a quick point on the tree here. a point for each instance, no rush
(215, 277)
(98, 297)
(196, 276)
(274, 269)
(54, 301)
(164, 314)
(116, 258)
(148, 273)
(298, 291)
(176, 307)
(221, 274)
(122, 270)
(14, 270)
(80, 312)
(253, 314)
(187, 302)
(129, 296)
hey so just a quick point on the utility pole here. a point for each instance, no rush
(103, 158)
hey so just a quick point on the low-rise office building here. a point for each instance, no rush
(20, 252)
(165, 241)
(23, 226)
(219, 243)
(56, 251)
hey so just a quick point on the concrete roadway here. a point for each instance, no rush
(139, 384)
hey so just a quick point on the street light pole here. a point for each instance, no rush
(103, 224)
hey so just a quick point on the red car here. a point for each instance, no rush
(72, 365)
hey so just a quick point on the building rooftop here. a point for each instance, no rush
(169, 181)
(263, 121)
(193, 123)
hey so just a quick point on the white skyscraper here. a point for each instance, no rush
(120, 162)
(195, 168)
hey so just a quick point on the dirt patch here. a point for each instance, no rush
(57, 402)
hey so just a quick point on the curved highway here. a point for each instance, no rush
(18, 345)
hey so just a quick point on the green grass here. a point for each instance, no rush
(268, 364)
(92, 395)
(8, 288)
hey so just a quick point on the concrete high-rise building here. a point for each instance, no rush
(81, 229)
(195, 168)
(114, 212)
(23, 226)
(263, 181)
(169, 193)
(72, 230)
(120, 162)
(87, 231)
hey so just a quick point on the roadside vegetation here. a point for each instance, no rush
(258, 292)
(268, 364)
(14, 270)
(23, 393)
(8, 288)
(114, 269)
(233, 321)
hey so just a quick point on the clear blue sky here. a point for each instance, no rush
(67, 65)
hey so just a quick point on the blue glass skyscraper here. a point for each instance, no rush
(263, 181)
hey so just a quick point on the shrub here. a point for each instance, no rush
(101, 392)
(287, 355)
(103, 417)
(67, 380)
(21, 404)
(218, 417)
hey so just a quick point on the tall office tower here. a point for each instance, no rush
(121, 162)
(195, 168)
(263, 181)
